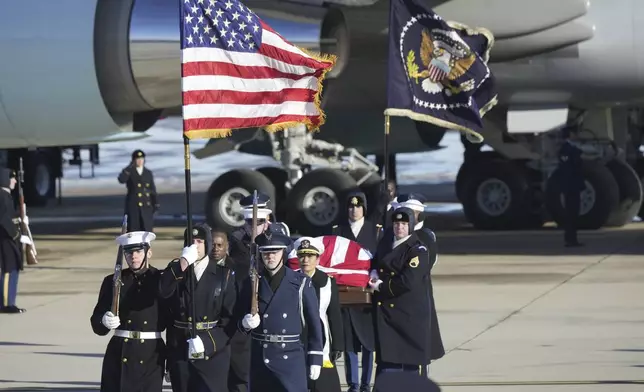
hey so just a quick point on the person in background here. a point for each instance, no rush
(11, 240)
(308, 251)
(141, 200)
(572, 184)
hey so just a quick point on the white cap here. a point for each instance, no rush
(413, 204)
(262, 213)
(135, 238)
(309, 245)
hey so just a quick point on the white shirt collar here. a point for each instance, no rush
(200, 267)
(139, 170)
(400, 241)
(418, 226)
(356, 226)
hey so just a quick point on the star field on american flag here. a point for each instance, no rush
(224, 24)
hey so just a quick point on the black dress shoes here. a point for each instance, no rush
(11, 310)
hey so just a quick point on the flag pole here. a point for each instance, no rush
(191, 269)
(386, 151)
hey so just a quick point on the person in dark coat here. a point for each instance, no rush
(11, 240)
(572, 184)
(141, 201)
(239, 241)
(135, 357)
(428, 238)
(286, 306)
(358, 325)
(200, 363)
(404, 381)
(308, 251)
(401, 299)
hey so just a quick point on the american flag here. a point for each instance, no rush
(237, 72)
(343, 259)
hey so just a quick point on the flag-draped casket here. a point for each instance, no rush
(348, 263)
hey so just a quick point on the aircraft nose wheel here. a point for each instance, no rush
(229, 207)
(320, 206)
(494, 197)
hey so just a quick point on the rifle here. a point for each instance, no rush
(118, 267)
(30, 249)
(254, 275)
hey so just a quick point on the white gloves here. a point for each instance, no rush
(195, 347)
(250, 322)
(111, 321)
(374, 280)
(26, 219)
(25, 240)
(314, 372)
(190, 254)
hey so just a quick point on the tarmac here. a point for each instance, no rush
(517, 310)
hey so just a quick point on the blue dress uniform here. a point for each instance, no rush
(239, 241)
(135, 356)
(572, 184)
(214, 298)
(402, 302)
(287, 304)
(11, 260)
(141, 200)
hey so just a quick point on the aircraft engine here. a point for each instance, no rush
(78, 71)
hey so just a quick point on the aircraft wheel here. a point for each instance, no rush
(630, 193)
(317, 200)
(598, 199)
(471, 164)
(222, 200)
(498, 196)
(40, 183)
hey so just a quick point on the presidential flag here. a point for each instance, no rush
(343, 259)
(237, 72)
(437, 70)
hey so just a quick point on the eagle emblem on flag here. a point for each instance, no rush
(445, 58)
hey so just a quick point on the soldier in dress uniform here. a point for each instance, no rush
(428, 238)
(401, 299)
(308, 251)
(358, 325)
(135, 356)
(11, 240)
(240, 253)
(199, 364)
(287, 305)
(572, 184)
(141, 200)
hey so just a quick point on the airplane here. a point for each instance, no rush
(86, 70)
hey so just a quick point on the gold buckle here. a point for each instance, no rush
(135, 334)
(197, 355)
(199, 325)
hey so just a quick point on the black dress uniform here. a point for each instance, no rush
(287, 305)
(11, 260)
(239, 241)
(215, 300)
(572, 184)
(357, 322)
(404, 381)
(401, 302)
(141, 200)
(135, 356)
(326, 290)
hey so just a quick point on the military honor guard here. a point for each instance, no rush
(572, 184)
(308, 251)
(287, 305)
(240, 253)
(199, 364)
(135, 357)
(141, 200)
(358, 325)
(428, 238)
(401, 300)
(11, 240)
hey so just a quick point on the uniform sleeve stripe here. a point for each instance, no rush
(315, 353)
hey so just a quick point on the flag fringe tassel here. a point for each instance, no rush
(471, 134)
(272, 128)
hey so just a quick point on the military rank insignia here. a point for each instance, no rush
(413, 263)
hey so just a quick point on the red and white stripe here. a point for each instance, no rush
(343, 259)
(227, 90)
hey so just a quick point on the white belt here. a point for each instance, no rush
(137, 334)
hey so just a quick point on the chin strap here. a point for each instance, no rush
(144, 265)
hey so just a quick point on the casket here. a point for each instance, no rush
(354, 296)
(346, 262)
